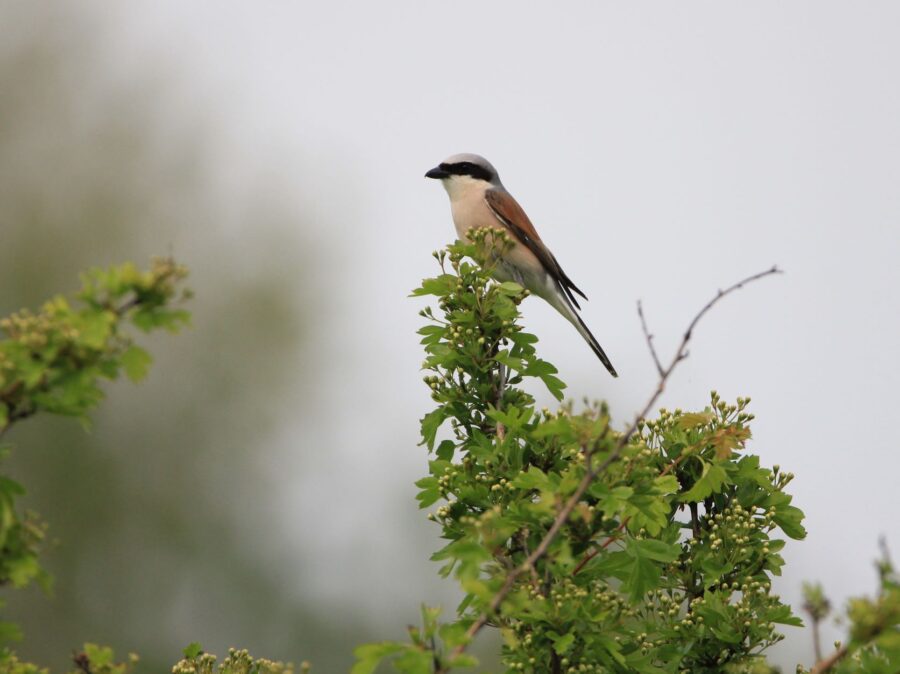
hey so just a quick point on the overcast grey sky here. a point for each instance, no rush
(663, 150)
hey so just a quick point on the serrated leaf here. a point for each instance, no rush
(694, 419)
(710, 482)
(728, 439)
(445, 450)
(789, 518)
(431, 422)
(647, 511)
(504, 358)
(667, 484)
(430, 492)
(441, 286)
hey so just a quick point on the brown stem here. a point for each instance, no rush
(555, 664)
(695, 520)
(830, 661)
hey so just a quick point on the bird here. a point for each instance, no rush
(479, 199)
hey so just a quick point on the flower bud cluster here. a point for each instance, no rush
(736, 526)
(238, 661)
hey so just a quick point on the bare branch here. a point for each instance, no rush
(623, 440)
(829, 662)
(817, 639)
(649, 338)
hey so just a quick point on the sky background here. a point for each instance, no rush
(663, 151)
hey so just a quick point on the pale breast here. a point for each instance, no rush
(470, 214)
(473, 213)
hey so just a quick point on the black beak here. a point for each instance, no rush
(437, 173)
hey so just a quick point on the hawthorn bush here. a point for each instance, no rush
(648, 549)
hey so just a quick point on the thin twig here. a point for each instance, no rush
(535, 579)
(649, 338)
(829, 662)
(501, 377)
(817, 638)
(590, 474)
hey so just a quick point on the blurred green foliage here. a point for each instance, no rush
(174, 492)
(54, 361)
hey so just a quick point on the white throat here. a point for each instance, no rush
(464, 188)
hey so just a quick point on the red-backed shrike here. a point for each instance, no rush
(478, 199)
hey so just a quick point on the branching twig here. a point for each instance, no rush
(563, 515)
(649, 338)
(829, 662)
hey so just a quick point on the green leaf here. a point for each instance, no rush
(192, 650)
(445, 450)
(533, 478)
(648, 511)
(694, 419)
(22, 570)
(710, 482)
(431, 422)
(789, 518)
(95, 327)
(430, 492)
(654, 549)
(453, 634)
(504, 358)
(136, 362)
(441, 286)
(99, 656)
(514, 418)
(667, 484)
(510, 288)
(714, 568)
(369, 656)
(644, 577)
(561, 643)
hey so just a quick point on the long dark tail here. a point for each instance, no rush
(564, 306)
(595, 347)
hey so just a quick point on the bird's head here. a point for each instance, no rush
(464, 170)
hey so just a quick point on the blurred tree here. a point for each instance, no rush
(176, 545)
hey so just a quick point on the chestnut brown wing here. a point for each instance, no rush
(513, 216)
